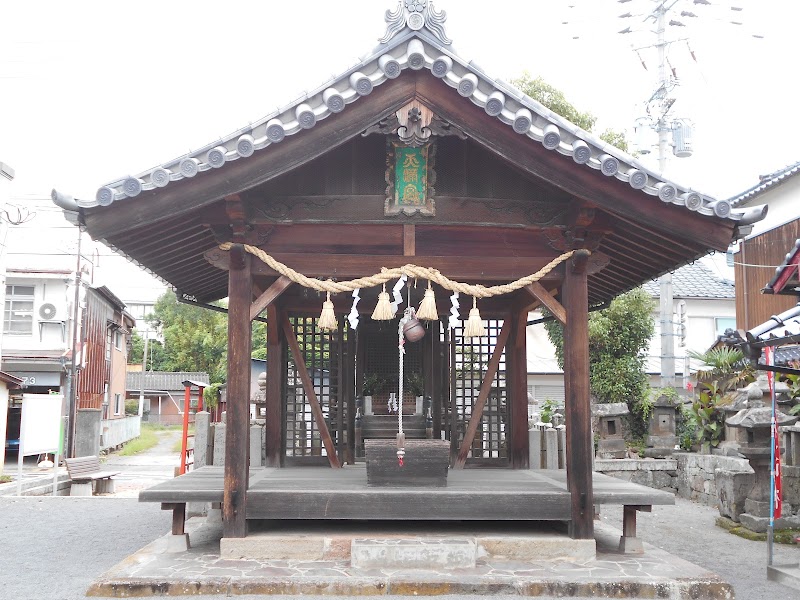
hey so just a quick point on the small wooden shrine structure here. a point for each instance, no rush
(414, 156)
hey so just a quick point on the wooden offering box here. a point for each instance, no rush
(425, 463)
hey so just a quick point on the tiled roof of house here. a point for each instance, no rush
(766, 182)
(163, 381)
(695, 280)
(416, 39)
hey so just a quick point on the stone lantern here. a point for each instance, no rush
(612, 442)
(756, 447)
(662, 433)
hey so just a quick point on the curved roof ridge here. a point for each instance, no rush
(416, 50)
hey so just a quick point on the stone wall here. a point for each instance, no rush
(661, 474)
(115, 432)
(696, 475)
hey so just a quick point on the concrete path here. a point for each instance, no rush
(145, 469)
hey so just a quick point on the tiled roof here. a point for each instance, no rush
(787, 276)
(767, 182)
(694, 280)
(162, 381)
(415, 39)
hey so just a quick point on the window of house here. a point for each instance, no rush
(118, 340)
(109, 339)
(117, 404)
(723, 323)
(18, 315)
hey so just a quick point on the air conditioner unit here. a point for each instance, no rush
(48, 311)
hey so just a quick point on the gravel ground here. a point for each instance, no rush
(687, 530)
(53, 548)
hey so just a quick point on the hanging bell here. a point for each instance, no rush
(414, 330)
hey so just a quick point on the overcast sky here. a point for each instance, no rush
(92, 91)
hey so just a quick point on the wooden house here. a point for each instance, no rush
(766, 246)
(413, 156)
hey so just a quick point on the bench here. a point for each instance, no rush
(87, 478)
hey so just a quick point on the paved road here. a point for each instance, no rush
(53, 548)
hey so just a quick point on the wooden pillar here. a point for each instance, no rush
(517, 376)
(276, 342)
(237, 431)
(577, 405)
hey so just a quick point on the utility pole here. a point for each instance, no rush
(663, 128)
(144, 372)
(73, 370)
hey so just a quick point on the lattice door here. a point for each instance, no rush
(469, 358)
(325, 355)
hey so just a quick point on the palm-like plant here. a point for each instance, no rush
(724, 371)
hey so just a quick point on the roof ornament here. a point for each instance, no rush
(416, 14)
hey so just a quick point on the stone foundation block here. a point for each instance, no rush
(732, 490)
(760, 524)
(450, 553)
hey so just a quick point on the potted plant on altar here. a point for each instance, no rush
(415, 385)
(373, 384)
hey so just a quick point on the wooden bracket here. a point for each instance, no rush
(538, 291)
(268, 297)
(409, 240)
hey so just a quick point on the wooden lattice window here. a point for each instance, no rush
(380, 357)
(323, 353)
(469, 358)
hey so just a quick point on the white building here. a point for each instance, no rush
(705, 298)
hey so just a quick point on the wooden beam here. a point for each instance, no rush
(308, 386)
(237, 430)
(538, 291)
(517, 378)
(268, 297)
(274, 392)
(483, 396)
(580, 444)
(409, 240)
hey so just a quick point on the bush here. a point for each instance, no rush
(131, 407)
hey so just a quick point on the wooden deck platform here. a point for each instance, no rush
(321, 493)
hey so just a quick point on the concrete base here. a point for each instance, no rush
(760, 524)
(419, 553)
(204, 572)
(177, 543)
(80, 489)
(105, 486)
(630, 545)
(788, 575)
(437, 547)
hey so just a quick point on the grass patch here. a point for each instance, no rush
(176, 447)
(782, 536)
(5, 479)
(146, 440)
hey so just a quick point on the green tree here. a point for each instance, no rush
(195, 339)
(554, 99)
(155, 350)
(618, 337)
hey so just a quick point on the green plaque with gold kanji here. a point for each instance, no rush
(408, 177)
(411, 176)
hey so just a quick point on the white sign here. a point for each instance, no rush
(40, 429)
